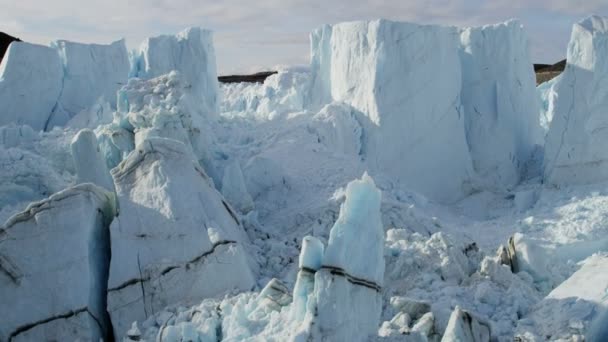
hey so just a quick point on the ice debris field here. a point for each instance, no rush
(411, 184)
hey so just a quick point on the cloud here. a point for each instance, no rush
(271, 32)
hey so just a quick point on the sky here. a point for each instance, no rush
(254, 35)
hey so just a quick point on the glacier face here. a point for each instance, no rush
(387, 71)
(499, 102)
(31, 78)
(574, 148)
(479, 131)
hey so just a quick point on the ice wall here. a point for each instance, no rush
(499, 102)
(176, 240)
(575, 150)
(405, 80)
(444, 110)
(30, 83)
(52, 268)
(189, 52)
(92, 73)
(44, 86)
(347, 286)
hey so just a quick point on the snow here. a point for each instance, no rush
(574, 152)
(31, 79)
(41, 283)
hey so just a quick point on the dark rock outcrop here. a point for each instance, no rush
(257, 77)
(5, 41)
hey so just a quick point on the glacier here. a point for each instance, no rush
(395, 189)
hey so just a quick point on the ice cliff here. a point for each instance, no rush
(482, 125)
(574, 149)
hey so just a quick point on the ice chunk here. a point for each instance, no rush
(92, 72)
(347, 287)
(234, 188)
(574, 150)
(90, 163)
(189, 52)
(162, 247)
(405, 79)
(30, 83)
(358, 228)
(53, 267)
(499, 102)
(465, 327)
(310, 260)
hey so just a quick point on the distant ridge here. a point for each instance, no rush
(257, 77)
(546, 72)
(5, 41)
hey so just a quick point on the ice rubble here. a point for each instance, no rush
(483, 114)
(51, 267)
(334, 298)
(281, 93)
(574, 150)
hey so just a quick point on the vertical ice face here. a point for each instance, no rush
(30, 84)
(443, 110)
(347, 286)
(405, 81)
(575, 150)
(89, 162)
(356, 241)
(91, 72)
(176, 239)
(499, 102)
(53, 268)
(189, 52)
